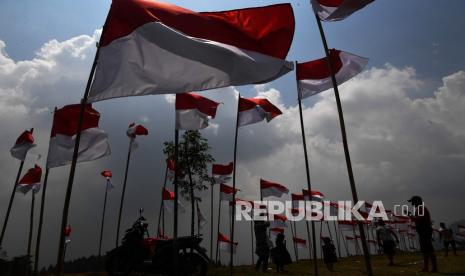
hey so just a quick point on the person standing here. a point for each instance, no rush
(279, 253)
(424, 229)
(262, 248)
(329, 253)
(447, 236)
(385, 237)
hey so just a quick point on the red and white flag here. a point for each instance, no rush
(222, 173)
(300, 243)
(94, 141)
(314, 76)
(225, 243)
(150, 47)
(193, 111)
(168, 201)
(278, 221)
(23, 144)
(133, 131)
(350, 238)
(276, 230)
(108, 175)
(313, 195)
(268, 188)
(254, 110)
(335, 10)
(68, 234)
(30, 181)
(227, 192)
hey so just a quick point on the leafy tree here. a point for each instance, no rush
(193, 162)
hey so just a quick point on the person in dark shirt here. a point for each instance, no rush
(262, 248)
(279, 253)
(447, 236)
(329, 253)
(425, 233)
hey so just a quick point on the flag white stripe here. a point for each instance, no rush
(191, 119)
(93, 145)
(157, 59)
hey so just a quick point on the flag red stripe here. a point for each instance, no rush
(249, 103)
(195, 101)
(66, 119)
(220, 169)
(227, 189)
(330, 3)
(32, 176)
(318, 69)
(265, 184)
(25, 137)
(267, 30)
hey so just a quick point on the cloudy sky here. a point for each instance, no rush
(404, 116)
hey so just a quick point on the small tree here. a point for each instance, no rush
(193, 161)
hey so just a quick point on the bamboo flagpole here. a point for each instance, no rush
(131, 141)
(218, 227)
(211, 219)
(175, 219)
(64, 219)
(103, 220)
(337, 240)
(191, 185)
(234, 187)
(12, 197)
(345, 144)
(160, 232)
(31, 226)
(41, 220)
(309, 187)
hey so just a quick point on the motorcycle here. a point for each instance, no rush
(141, 253)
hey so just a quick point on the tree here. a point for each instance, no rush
(193, 161)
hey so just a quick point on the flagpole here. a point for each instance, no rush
(31, 227)
(293, 242)
(337, 239)
(309, 186)
(211, 220)
(161, 203)
(103, 221)
(218, 229)
(234, 187)
(191, 185)
(41, 219)
(251, 235)
(131, 140)
(175, 219)
(12, 197)
(64, 220)
(346, 146)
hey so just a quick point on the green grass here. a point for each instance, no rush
(409, 264)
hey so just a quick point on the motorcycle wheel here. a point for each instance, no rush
(192, 264)
(117, 265)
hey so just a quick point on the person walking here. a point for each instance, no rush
(262, 244)
(424, 229)
(385, 237)
(279, 253)
(447, 236)
(329, 253)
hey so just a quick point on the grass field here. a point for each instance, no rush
(407, 265)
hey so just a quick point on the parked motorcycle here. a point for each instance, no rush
(141, 253)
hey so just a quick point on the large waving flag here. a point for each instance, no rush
(150, 47)
(222, 173)
(269, 188)
(94, 141)
(225, 243)
(254, 110)
(227, 192)
(314, 76)
(30, 181)
(335, 10)
(23, 144)
(133, 131)
(193, 111)
(168, 201)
